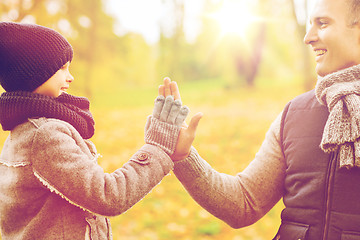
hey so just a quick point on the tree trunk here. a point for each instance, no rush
(309, 79)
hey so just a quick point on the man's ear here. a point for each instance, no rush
(356, 25)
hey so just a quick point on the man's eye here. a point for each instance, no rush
(323, 24)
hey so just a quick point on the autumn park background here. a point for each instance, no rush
(239, 73)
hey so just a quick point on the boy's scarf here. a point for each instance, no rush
(17, 107)
(340, 92)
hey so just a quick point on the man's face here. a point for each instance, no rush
(335, 42)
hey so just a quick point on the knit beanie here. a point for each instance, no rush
(29, 55)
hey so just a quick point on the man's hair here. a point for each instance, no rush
(354, 11)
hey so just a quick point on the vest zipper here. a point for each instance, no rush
(329, 180)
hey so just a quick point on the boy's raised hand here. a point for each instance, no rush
(187, 133)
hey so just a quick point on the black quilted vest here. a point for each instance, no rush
(322, 202)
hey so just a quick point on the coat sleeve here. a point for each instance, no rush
(243, 199)
(64, 168)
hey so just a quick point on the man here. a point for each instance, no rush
(311, 154)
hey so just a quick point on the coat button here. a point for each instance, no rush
(143, 156)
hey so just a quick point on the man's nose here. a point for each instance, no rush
(310, 36)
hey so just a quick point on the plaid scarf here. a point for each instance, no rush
(17, 107)
(340, 92)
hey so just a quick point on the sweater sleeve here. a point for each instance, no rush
(243, 199)
(64, 168)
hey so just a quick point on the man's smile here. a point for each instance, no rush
(320, 52)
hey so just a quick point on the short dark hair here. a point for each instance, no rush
(354, 11)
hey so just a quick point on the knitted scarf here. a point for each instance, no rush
(340, 92)
(17, 107)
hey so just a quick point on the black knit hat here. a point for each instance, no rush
(29, 55)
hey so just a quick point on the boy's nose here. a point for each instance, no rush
(70, 78)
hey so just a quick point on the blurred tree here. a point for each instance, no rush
(231, 56)
(212, 51)
(269, 48)
(309, 77)
(248, 68)
(178, 58)
(172, 40)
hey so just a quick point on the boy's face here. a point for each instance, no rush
(58, 83)
(335, 42)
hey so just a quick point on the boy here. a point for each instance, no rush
(51, 186)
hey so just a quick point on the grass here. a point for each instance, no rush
(229, 135)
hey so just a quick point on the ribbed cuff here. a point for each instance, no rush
(163, 135)
(191, 167)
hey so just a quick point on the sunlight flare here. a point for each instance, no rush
(235, 17)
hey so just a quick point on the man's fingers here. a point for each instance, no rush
(161, 90)
(175, 90)
(167, 90)
(194, 122)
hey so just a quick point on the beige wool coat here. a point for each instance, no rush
(51, 186)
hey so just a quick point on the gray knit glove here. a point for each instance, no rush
(163, 127)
